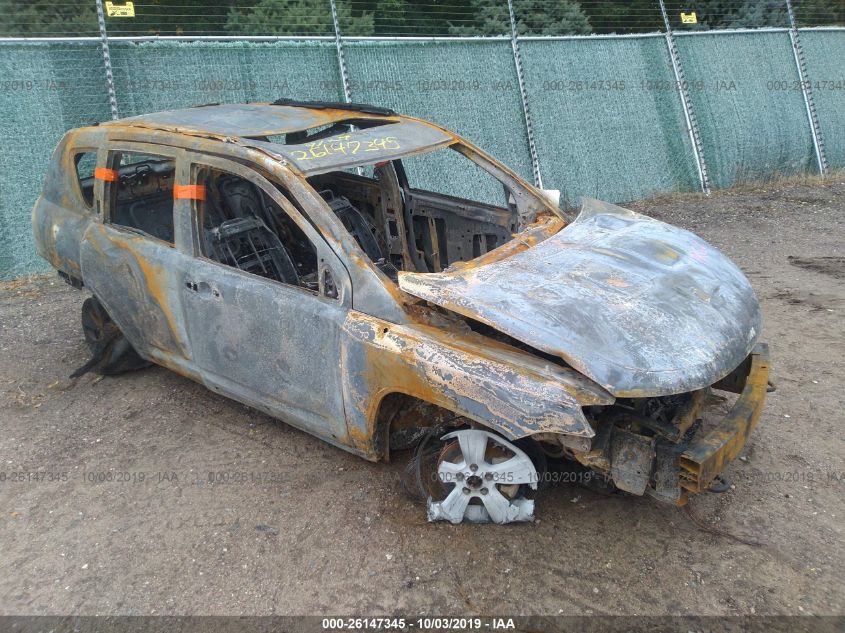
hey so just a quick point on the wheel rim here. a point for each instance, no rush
(484, 480)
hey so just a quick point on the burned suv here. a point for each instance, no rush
(383, 284)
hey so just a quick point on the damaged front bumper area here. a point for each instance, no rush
(709, 454)
(644, 450)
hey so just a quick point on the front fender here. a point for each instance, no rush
(505, 389)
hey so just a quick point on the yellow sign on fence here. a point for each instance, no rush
(686, 18)
(120, 10)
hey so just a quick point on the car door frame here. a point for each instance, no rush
(332, 425)
(112, 254)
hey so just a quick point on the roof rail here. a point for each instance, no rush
(335, 105)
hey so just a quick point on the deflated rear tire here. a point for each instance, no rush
(111, 352)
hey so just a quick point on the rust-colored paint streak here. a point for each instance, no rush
(164, 361)
(435, 244)
(388, 373)
(691, 413)
(668, 255)
(393, 364)
(154, 278)
(543, 227)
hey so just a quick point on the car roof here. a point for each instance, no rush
(379, 133)
(252, 119)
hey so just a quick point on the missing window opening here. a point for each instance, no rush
(244, 228)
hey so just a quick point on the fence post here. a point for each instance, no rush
(104, 42)
(523, 94)
(686, 102)
(341, 58)
(806, 90)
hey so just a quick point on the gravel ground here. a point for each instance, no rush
(312, 530)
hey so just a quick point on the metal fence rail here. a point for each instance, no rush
(686, 103)
(806, 90)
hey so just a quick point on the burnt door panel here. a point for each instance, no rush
(137, 278)
(268, 344)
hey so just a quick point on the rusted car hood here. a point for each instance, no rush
(641, 307)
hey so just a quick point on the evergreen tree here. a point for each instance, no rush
(297, 17)
(624, 16)
(533, 17)
(391, 18)
(36, 18)
(40, 18)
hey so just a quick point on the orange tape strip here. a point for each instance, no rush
(103, 173)
(189, 192)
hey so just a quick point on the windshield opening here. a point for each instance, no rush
(428, 211)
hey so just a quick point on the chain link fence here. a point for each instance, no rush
(616, 100)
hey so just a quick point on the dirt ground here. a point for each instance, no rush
(312, 530)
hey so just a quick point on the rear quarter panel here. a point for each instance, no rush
(61, 215)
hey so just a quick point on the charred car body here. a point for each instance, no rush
(320, 262)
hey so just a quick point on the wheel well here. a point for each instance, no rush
(402, 419)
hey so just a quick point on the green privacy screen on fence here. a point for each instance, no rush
(469, 87)
(825, 53)
(608, 118)
(753, 121)
(153, 76)
(47, 89)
